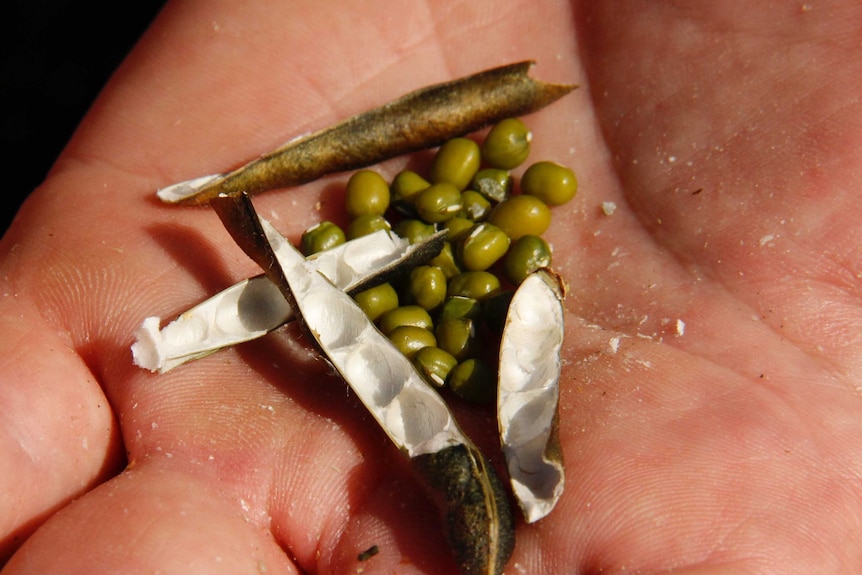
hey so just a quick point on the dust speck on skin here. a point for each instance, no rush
(608, 208)
(675, 327)
(614, 344)
(766, 239)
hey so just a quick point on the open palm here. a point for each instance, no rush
(710, 413)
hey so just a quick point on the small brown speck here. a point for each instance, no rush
(368, 553)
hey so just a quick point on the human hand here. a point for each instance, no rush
(709, 404)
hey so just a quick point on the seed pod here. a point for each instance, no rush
(477, 519)
(420, 120)
(254, 307)
(528, 393)
(470, 496)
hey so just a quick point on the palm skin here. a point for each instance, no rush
(710, 410)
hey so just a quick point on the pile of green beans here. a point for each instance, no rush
(447, 315)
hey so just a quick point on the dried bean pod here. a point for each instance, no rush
(464, 486)
(419, 120)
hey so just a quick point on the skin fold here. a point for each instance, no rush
(710, 400)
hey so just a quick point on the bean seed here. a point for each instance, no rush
(473, 381)
(479, 285)
(493, 183)
(445, 260)
(458, 307)
(456, 336)
(427, 286)
(377, 300)
(406, 186)
(434, 364)
(367, 193)
(409, 339)
(482, 247)
(414, 230)
(365, 225)
(404, 315)
(474, 206)
(550, 182)
(525, 256)
(438, 203)
(456, 162)
(521, 215)
(507, 145)
(321, 237)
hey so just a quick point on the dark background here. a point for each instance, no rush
(55, 57)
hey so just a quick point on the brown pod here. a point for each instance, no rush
(476, 514)
(419, 120)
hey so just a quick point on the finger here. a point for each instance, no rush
(58, 439)
(152, 520)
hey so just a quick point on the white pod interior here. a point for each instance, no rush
(528, 393)
(176, 193)
(408, 409)
(254, 307)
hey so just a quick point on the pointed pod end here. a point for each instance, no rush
(475, 511)
(549, 92)
(191, 192)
